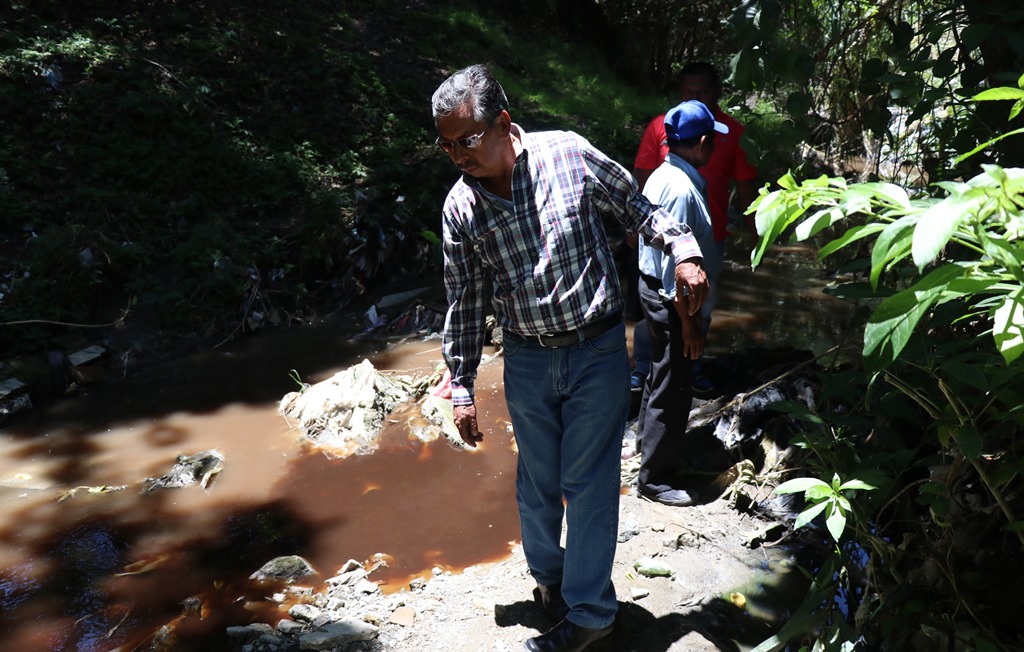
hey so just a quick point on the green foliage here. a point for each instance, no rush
(930, 420)
(996, 94)
(881, 88)
(224, 167)
(824, 498)
(983, 215)
(657, 48)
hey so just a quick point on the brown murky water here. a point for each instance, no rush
(100, 571)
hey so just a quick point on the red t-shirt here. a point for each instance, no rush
(728, 161)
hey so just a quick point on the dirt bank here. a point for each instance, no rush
(707, 605)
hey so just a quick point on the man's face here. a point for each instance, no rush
(700, 88)
(487, 159)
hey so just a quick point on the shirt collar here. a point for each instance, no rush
(684, 165)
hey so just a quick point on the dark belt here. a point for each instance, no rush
(568, 338)
(653, 283)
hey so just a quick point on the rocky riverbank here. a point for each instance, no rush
(706, 577)
(704, 589)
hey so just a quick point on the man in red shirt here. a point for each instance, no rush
(700, 81)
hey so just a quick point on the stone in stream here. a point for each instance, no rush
(344, 414)
(289, 567)
(337, 635)
(439, 412)
(199, 468)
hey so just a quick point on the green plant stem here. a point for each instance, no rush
(1005, 506)
(929, 407)
(998, 495)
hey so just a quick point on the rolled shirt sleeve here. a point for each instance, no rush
(464, 280)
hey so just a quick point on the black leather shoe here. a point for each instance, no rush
(567, 637)
(669, 496)
(550, 600)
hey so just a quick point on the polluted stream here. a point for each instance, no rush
(102, 571)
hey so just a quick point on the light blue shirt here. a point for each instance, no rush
(678, 188)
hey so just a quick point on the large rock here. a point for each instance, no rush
(248, 633)
(337, 635)
(201, 468)
(290, 567)
(344, 414)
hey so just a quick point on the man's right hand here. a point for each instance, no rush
(693, 337)
(691, 284)
(465, 421)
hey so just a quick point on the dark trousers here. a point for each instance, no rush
(665, 407)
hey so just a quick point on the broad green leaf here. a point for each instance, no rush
(856, 199)
(987, 144)
(1009, 255)
(944, 431)
(1015, 109)
(771, 219)
(952, 187)
(809, 514)
(798, 484)
(975, 34)
(1001, 93)
(825, 181)
(856, 484)
(818, 492)
(836, 523)
(1016, 526)
(798, 103)
(890, 193)
(1003, 475)
(936, 227)
(889, 328)
(815, 223)
(969, 440)
(843, 502)
(787, 182)
(976, 285)
(994, 173)
(892, 244)
(1008, 326)
(969, 374)
(851, 235)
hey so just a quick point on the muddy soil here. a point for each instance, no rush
(714, 601)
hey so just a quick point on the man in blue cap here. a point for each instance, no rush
(677, 337)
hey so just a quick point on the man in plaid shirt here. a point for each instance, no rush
(522, 230)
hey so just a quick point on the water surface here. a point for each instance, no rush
(99, 571)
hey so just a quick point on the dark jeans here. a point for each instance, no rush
(568, 408)
(665, 407)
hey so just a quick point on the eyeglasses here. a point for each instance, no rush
(469, 142)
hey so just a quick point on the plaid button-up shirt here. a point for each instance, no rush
(542, 260)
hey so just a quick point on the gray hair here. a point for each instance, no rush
(473, 85)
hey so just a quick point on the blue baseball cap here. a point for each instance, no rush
(689, 119)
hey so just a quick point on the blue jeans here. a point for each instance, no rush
(568, 407)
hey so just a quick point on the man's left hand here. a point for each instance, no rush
(691, 281)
